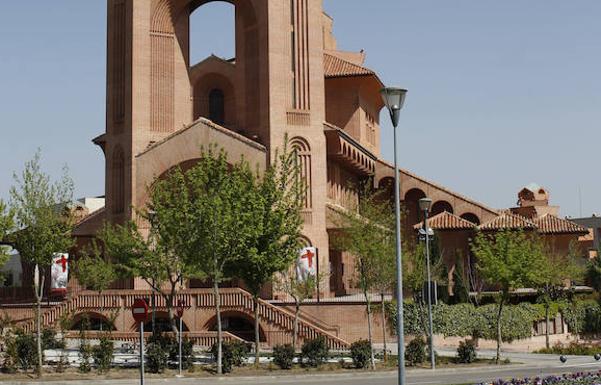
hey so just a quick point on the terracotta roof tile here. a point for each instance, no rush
(447, 221)
(508, 220)
(550, 224)
(336, 67)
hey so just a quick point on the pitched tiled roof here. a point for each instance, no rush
(335, 67)
(447, 221)
(550, 224)
(508, 220)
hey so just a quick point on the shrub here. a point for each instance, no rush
(85, 353)
(187, 352)
(157, 354)
(315, 352)
(466, 352)
(573, 348)
(103, 354)
(233, 354)
(11, 357)
(415, 352)
(361, 353)
(26, 352)
(49, 340)
(283, 356)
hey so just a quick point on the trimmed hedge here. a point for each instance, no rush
(467, 320)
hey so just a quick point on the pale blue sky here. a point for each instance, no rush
(501, 93)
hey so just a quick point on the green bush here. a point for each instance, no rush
(49, 340)
(315, 352)
(103, 354)
(233, 354)
(466, 320)
(574, 348)
(415, 352)
(361, 353)
(466, 352)
(283, 356)
(187, 352)
(85, 354)
(21, 352)
(157, 353)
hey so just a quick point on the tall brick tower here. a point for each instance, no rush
(274, 87)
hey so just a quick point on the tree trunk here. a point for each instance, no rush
(499, 337)
(369, 333)
(219, 332)
(257, 335)
(547, 344)
(295, 325)
(38, 296)
(384, 327)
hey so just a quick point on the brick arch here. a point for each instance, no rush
(207, 83)
(211, 324)
(303, 151)
(184, 147)
(411, 203)
(92, 315)
(441, 206)
(471, 217)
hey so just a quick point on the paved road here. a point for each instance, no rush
(532, 366)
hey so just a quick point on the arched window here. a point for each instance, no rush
(217, 106)
(303, 153)
(118, 181)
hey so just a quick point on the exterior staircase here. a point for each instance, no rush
(276, 322)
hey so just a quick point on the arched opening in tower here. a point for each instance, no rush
(213, 32)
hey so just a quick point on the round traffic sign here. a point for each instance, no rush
(139, 310)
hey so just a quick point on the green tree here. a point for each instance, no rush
(220, 222)
(368, 234)
(94, 272)
(6, 228)
(558, 273)
(300, 290)
(278, 222)
(508, 260)
(161, 255)
(43, 222)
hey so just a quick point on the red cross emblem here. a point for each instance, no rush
(309, 256)
(63, 261)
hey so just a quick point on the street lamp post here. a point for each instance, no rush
(394, 99)
(425, 204)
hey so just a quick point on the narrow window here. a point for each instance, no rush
(217, 106)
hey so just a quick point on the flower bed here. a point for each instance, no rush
(580, 378)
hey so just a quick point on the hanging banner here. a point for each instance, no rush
(306, 265)
(59, 274)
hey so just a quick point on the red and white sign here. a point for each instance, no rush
(306, 265)
(59, 274)
(139, 310)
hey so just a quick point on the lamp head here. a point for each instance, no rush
(394, 99)
(425, 204)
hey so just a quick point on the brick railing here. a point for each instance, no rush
(202, 339)
(231, 299)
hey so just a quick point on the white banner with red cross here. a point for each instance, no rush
(59, 274)
(306, 265)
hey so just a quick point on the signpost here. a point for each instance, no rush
(139, 311)
(180, 314)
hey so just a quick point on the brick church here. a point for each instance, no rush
(287, 79)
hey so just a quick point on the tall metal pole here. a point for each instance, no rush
(141, 353)
(181, 327)
(399, 266)
(432, 358)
